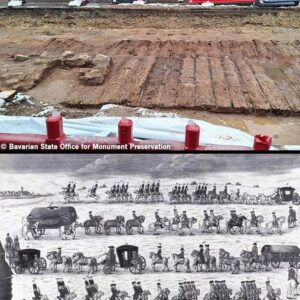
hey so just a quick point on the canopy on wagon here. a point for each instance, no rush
(52, 216)
(125, 254)
(281, 249)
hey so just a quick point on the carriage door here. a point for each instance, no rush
(125, 257)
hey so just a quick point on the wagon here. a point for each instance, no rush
(29, 259)
(286, 194)
(283, 253)
(129, 258)
(53, 217)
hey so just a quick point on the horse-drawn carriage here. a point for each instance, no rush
(129, 258)
(283, 253)
(286, 194)
(51, 217)
(150, 197)
(29, 259)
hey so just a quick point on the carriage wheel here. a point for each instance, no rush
(18, 269)
(294, 262)
(34, 267)
(143, 262)
(136, 268)
(275, 262)
(43, 263)
(107, 270)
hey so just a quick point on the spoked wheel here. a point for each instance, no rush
(294, 262)
(34, 267)
(43, 263)
(143, 262)
(107, 270)
(18, 269)
(275, 262)
(135, 268)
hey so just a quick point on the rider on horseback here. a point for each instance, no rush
(159, 254)
(184, 219)
(157, 188)
(90, 293)
(176, 215)
(135, 291)
(213, 290)
(73, 190)
(159, 220)
(36, 292)
(211, 216)
(161, 295)
(68, 189)
(201, 254)
(206, 251)
(62, 289)
(181, 291)
(275, 222)
(254, 219)
(234, 216)
(115, 292)
(271, 294)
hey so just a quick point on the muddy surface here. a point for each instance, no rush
(198, 66)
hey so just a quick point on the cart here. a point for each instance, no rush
(129, 258)
(29, 259)
(283, 253)
(286, 194)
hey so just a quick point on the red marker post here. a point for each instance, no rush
(262, 142)
(55, 130)
(125, 131)
(192, 136)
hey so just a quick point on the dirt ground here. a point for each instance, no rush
(239, 70)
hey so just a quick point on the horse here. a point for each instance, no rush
(210, 296)
(249, 225)
(232, 225)
(189, 223)
(197, 260)
(207, 226)
(275, 296)
(172, 222)
(154, 226)
(95, 222)
(79, 260)
(181, 261)
(54, 261)
(248, 258)
(223, 197)
(122, 295)
(225, 260)
(117, 223)
(145, 295)
(156, 261)
(163, 295)
(137, 223)
(210, 262)
(270, 226)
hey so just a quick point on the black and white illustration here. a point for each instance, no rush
(169, 226)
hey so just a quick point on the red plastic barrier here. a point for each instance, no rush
(57, 140)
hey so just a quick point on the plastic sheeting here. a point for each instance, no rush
(172, 129)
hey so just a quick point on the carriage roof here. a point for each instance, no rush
(286, 188)
(51, 212)
(30, 252)
(281, 249)
(128, 248)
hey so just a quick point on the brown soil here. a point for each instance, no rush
(245, 64)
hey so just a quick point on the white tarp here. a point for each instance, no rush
(143, 128)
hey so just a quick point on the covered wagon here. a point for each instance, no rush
(283, 253)
(51, 217)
